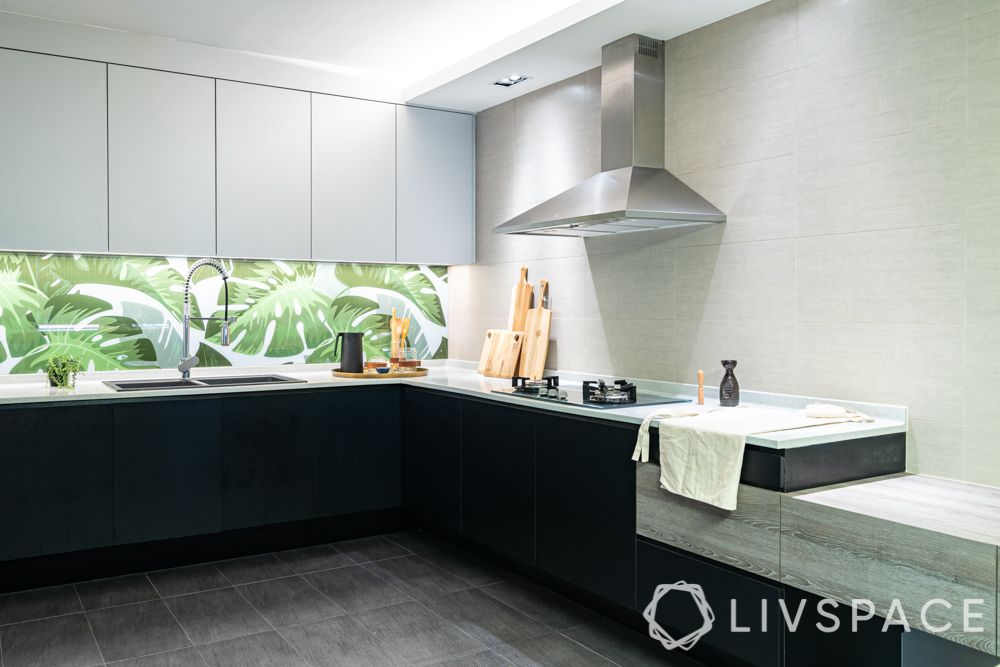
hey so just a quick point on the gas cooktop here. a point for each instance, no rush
(598, 394)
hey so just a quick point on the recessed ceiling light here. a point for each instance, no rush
(508, 81)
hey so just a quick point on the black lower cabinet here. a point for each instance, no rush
(737, 602)
(56, 480)
(268, 459)
(585, 495)
(498, 478)
(168, 480)
(432, 458)
(358, 458)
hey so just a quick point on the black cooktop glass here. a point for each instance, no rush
(575, 397)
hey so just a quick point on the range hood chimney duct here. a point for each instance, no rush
(633, 192)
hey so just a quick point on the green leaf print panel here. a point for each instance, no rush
(118, 313)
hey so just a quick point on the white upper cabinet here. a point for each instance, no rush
(53, 153)
(161, 162)
(263, 171)
(434, 187)
(353, 180)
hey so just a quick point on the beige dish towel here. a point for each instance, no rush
(701, 449)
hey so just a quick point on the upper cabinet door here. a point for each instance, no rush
(353, 180)
(53, 153)
(161, 159)
(435, 175)
(263, 171)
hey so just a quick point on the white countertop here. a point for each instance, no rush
(459, 378)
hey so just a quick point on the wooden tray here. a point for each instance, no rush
(372, 375)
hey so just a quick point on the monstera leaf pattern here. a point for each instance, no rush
(126, 312)
(78, 326)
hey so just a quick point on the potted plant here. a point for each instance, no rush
(62, 370)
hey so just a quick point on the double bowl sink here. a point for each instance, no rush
(230, 381)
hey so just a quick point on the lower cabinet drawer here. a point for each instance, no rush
(746, 538)
(755, 604)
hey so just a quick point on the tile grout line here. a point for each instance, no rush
(268, 621)
(89, 626)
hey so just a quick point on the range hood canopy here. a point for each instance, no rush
(633, 192)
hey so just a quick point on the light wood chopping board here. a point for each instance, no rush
(520, 301)
(500, 352)
(536, 336)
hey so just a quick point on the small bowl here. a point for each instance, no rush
(382, 370)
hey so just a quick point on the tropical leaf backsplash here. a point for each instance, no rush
(119, 313)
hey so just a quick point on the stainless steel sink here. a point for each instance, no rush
(231, 381)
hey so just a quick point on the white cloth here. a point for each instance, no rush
(701, 449)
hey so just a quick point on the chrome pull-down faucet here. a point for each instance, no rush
(188, 360)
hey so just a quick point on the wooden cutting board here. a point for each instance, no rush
(520, 301)
(500, 352)
(536, 336)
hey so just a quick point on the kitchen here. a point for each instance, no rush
(306, 498)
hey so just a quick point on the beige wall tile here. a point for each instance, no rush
(902, 275)
(830, 26)
(933, 448)
(635, 348)
(750, 121)
(764, 352)
(982, 455)
(635, 283)
(854, 147)
(737, 281)
(913, 83)
(905, 180)
(748, 46)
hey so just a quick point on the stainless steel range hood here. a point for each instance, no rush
(633, 192)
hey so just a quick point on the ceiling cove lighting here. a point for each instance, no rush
(511, 80)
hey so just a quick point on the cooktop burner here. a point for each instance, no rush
(598, 394)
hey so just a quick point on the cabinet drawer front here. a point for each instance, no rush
(724, 590)
(746, 538)
(844, 555)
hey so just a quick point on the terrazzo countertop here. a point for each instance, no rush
(459, 377)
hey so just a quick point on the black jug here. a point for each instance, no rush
(352, 358)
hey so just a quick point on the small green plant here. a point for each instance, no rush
(62, 370)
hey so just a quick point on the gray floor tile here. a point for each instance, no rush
(216, 615)
(38, 603)
(552, 650)
(368, 549)
(185, 657)
(313, 559)
(190, 579)
(253, 568)
(484, 617)
(289, 601)
(550, 608)
(267, 649)
(129, 589)
(418, 541)
(480, 659)
(355, 589)
(136, 630)
(339, 641)
(625, 647)
(416, 577)
(64, 641)
(467, 566)
(416, 633)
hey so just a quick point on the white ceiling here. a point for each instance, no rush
(443, 53)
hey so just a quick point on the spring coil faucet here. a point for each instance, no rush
(188, 360)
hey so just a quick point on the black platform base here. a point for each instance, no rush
(129, 558)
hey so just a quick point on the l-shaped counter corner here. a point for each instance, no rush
(94, 471)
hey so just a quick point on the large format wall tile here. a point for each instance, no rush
(854, 147)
